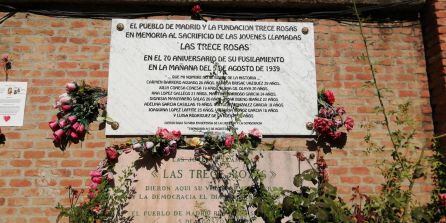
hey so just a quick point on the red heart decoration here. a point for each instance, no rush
(6, 118)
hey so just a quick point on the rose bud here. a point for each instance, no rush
(112, 154)
(176, 134)
(81, 129)
(53, 125)
(75, 126)
(109, 176)
(92, 186)
(72, 119)
(58, 135)
(66, 108)
(71, 86)
(149, 145)
(64, 100)
(63, 123)
(136, 146)
(96, 176)
(349, 123)
(74, 135)
(196, 9)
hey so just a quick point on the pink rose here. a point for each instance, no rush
(112, 154)
(92, 186)
(96, 176)
(54, 125)
(229, 141)
(81, 129)
(64, 99)
(329, 97)
(58, 135)
(63, 123)
(349, 123)
(66, 108)
(71, 86)
(256, 133)
(72, 119)
(74, 135)
(196, 9)
(176, 134)
(96, 173)
(75, 126)
(162, 132)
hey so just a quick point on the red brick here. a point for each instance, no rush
(20, 163)
(20, 183)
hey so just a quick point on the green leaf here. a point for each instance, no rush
(298, 180)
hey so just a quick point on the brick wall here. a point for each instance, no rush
(434, 32)
(48, 52)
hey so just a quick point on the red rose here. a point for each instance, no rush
(442, 198)
(322, 125)
(349, 123)
(196, 9)
(329, 97)
(229, 141)
(112, 154)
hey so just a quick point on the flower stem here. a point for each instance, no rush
(375, 83)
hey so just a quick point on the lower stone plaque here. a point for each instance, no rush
(182, 190)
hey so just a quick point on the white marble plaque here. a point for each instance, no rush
(181, 189)
(159, 71)
(12, 103)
